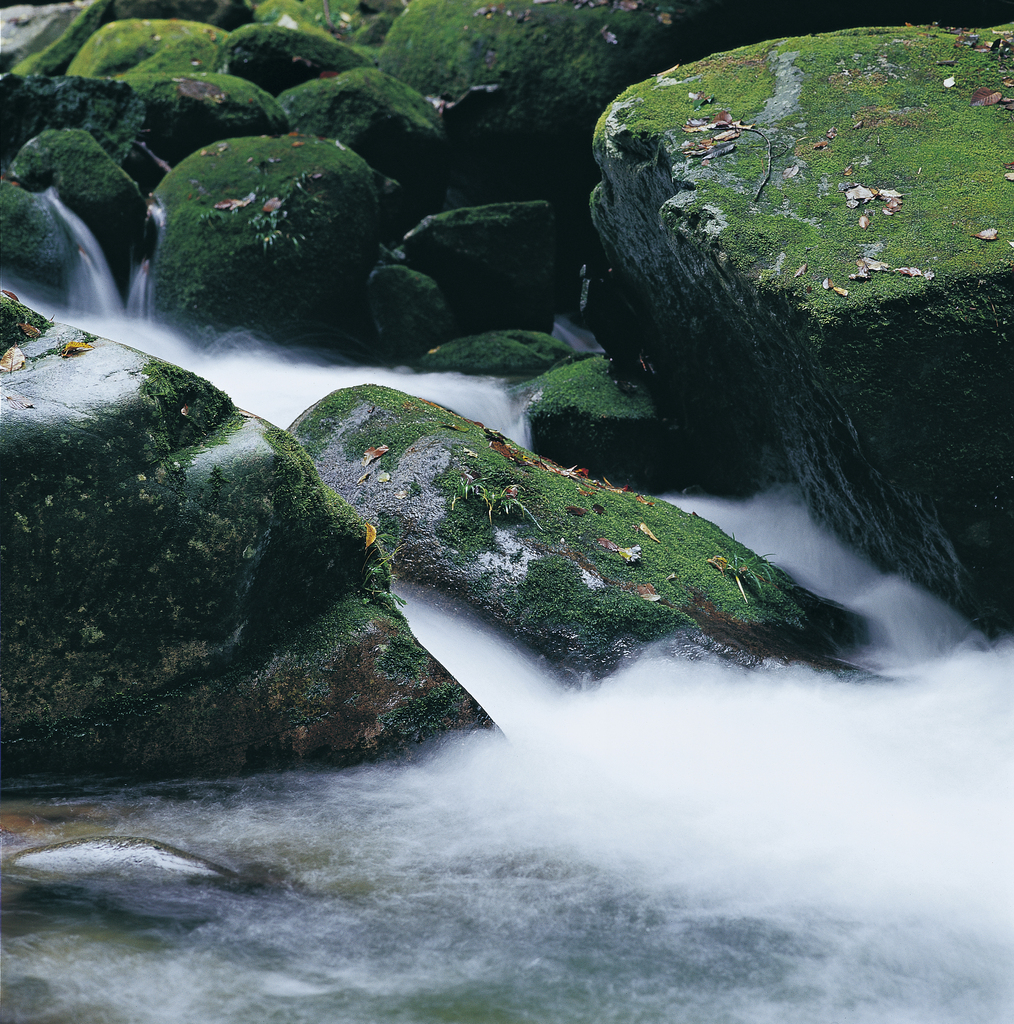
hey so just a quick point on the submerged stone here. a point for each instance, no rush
(816, 293)
(579, 571)
(502, 353)
(122, 45)
(181, 593)
(91, 185)
(288, 252)
(494, 263)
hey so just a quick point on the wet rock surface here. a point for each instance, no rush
(181, 594)
(580, 571)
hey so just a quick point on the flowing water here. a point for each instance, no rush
(687, 842)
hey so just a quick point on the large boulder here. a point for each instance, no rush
(277, 57)
(186, 112)
(494, 263)
(410, 313)
(580, 571)
(275, 235)
(27, 29)
(181, 594)
(56, 57)
(812, 232)
(500, 353)
(91, 185)
(122, 45)
(350, 21)
(391, 126)
(34, 250)
(111, 112)
(580, 414)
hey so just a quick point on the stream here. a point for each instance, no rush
(685, 842)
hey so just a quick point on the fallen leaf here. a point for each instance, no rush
(75, 348)
(631, 554)
(235, 204)
(185, 411)
(800, 271)
(864, 222)
(372, 454)
(791, 172)
(371, 534)
(728, 136)
(384, 477)
(20, 402)
(644, 529)
(928, 274)
(296, 144)
(948, 83)
(13, 359)
(888, 193)
(647, 591)
(822, 144)
(985, 97)
(909, 271)
(832, 133)
(599, 510)
(826, 284)
(858, 124)
(10, 295)
(1009, 175)
(575, 510)
(274, 203)
(32, 332)
(847, 173)
(860, 193)
(363, 477)
(989, 235)
(871, 264)
(644, 501)
(608, 36)
(839, 291)
(608, 544)
(401, 494)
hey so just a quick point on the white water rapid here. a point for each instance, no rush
(687, 842)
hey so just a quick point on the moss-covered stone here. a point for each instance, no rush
(56, 58)
(227, 14)
(122, 45)
(529, 554)
(388, 124)
(181, 593)
(410, 313)
(767, 369)
(33, 248)
(502, 353)
(352, 22)
(31, 29)
(494, 263)
(12, 314)
(91, 185)
(278, 58)
(109, 111)
(186, 112)
(581, 415)
(301, 266)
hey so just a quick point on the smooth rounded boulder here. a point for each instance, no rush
(819, 266)
(273, 235)
(501, 353)
(182, 595)
(410, 313)
(122, 45)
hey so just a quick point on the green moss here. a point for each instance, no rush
(187, 112)
(13, 313)
(122, 45)
(306, 261)
(32, 246)
(410, 312)
(426, 715)
(56, 58)
(353, 22)
(183, 56)
(504, 353)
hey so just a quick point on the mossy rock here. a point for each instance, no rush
(409, 311)
(494, 263)
(301, 266)
(227, 14)
(502, 353)
(109, 111)
(56, 58)
(186, 112)
(353, 22)
(122, 45)
(13, 314)
(769, 372)
(278, 58)
(182, 595)
(23, 33)
(531, 560)
(391, 126)
(91, 185)
(581, 415)
(34, 250)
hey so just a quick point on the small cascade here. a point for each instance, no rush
(89, 283)
(141, 291)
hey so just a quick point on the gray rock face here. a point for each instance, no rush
(25, 29)
(181, 594)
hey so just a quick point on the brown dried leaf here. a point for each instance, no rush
(989, 235)
(20, 402)
(839, 291)
(847, 173)
(13, 359)
(800, 271)
(29, 331)
(832, 133)
(647, 591)
(826, 284)
(608, 544)
(363, 477)
(274, 203)
(372, 454)
(984, 96)
(822, 144)
(864, 222)
(10, 295)
(872, 264)
(791, 172)
(576, 510)
(909, 271)
(644, 501)
(644, 529)
(728, 136)
(598, 510)
(371, 534)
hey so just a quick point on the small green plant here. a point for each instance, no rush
(378, 572)
(504, 501)
(751, 571)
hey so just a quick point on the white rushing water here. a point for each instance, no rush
(688, 842)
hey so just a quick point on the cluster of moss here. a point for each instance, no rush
(502, 353)
(13, 313)
(121, 45)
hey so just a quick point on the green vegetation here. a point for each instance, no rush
(121, 45)
(56, 58)
(502, 353)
